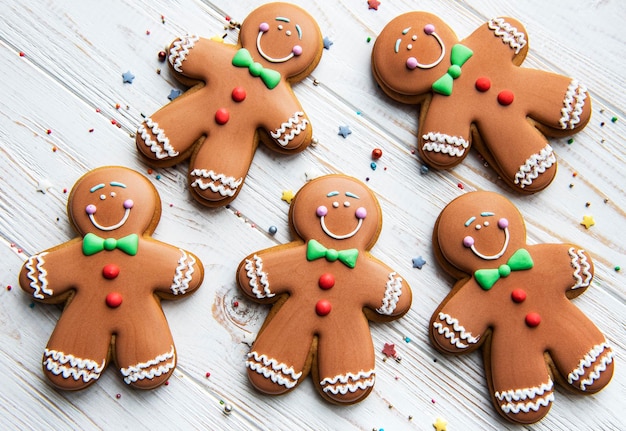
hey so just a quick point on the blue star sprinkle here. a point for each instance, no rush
(344, 131)
(418, 262)
(128, 77)
(327, 43)
(174, 93)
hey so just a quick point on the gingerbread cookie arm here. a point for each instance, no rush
(287, 125)
(389, 296)
(191, 56)
(456, 328)
(504, 38)
(46, 276)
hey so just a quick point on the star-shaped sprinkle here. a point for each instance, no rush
(287, 196)
(588, 221)
(128, 77)
(327, 43)
(418, 262)
(44, 185)
(373, 4)
(174, 93)
(440, 425)
(390, 350)
(344, 131)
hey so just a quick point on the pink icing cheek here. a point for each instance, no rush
(297, 50)
(429, 29)
(411, 63)
(90, 209)
(468, 241)
(128, 204)
(264, 27)
(360, 213)
(503, 223)
(321, 211)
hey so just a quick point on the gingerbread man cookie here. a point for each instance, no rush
(111, 280)
(240, 94)
(325, 286)
(513, 300)
(473, 93)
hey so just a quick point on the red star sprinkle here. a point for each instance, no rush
(373, 4)
(390, 350)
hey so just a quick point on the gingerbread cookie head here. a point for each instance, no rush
(473, 231)
(513, 300)
(338, 210)
(473, 93)
(111, 278)
(283, 37)
(114, 201)
(415, 47)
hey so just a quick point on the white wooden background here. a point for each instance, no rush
(69, 80)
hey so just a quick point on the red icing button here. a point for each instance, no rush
(323, 307)
(518, 295)
(110, 271)
(483, 84)
(114, 299)
(505, 97)
(326, 281)
(239, 94)
(533, 319)
(222, 116)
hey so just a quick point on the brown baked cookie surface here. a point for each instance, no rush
(513, 300)
(473, 93)
(324, 287)
(240, 94)
(111, 280)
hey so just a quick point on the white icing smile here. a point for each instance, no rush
(295, 51)
(412, 62)
(322, 211)
(91, 208)
(468, 241)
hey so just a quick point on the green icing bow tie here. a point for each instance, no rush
(459, 54)
(315, 250)
(520, 261)
(270, 78)
(93, 244)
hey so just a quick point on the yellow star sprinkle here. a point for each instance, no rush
(287, 196)
(587, 221)
(440, 424)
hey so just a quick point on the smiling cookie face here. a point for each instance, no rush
(479, 227)
(114, 200)
(283, 37)
(337, 210)
(411, 53)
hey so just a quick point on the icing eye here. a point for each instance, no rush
(128, 204)
(297, 50)
(503, 223)
(414, 37)
(411, 63)
(90, 209)
(113, 194)
(346, 204)
(102, 197)
(288, 32)
(409, 47)
(335, 204)
(360, 213)
(429, 29)
(478, 227)
(486, 223)
(280, 27)
(468, 241)
(321, 211)
(264, 27)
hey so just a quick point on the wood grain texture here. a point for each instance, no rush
(69, 82)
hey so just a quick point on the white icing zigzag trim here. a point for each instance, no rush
(180, 50)
(458, 331)
(513, 396)
(573, 104)
(294, 124)
(146, 370)
(38, 275)
(256, 275)
(588, 360)
(277, 372)
(184, 273)
(228, 185)
(581, 268)
(534, 166)
(66, 365)
(161, 151)
(344, 383)
(509, 34)
(393, 291)
(445, 144)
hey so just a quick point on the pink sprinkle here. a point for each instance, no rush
(459, 185)
(118, 396)
(148, 32)
(236, 304)
(22, 54)
(49, 131)
(432, 401)
(9, 288)
(167, 383)
(207, 375)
